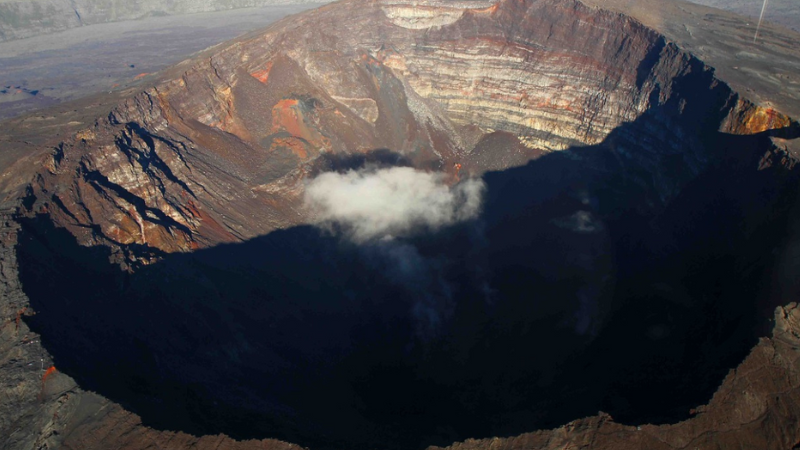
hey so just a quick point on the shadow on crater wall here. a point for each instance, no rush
(577, 290)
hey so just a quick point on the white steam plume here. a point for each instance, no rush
(373, 204)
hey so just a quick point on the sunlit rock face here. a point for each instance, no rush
(473, 85)
(553, 181)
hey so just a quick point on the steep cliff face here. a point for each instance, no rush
(239, 130)
(613, 162)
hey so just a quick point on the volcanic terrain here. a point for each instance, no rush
(383, 224)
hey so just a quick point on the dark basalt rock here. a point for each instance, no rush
(626, 258)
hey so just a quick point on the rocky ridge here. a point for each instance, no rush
(229, 114)
(219, 150)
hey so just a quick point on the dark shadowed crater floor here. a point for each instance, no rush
(557, 302)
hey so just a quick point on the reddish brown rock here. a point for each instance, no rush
(232, 132)
(219, 149)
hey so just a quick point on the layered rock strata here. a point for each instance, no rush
(220, 149)
(241, 126)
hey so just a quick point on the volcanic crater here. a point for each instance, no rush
(634, 213)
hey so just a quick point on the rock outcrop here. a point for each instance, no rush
(615, 162)
(245, 122)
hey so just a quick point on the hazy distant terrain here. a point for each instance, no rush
(21, 19)
(49, 69)
(26, 18)
(783, 12)
(62, 58)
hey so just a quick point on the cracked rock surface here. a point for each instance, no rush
(658, 183)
